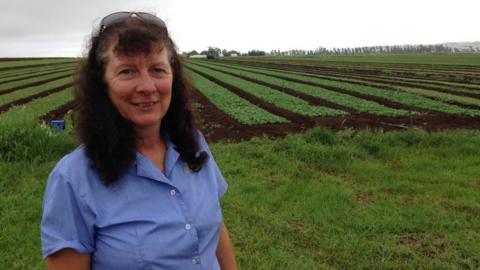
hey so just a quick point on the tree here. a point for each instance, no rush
(213, 52)
(192, 53)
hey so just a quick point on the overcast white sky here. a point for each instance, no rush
(61, 27)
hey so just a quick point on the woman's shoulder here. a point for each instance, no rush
(76, 157)
(73, 163)
(202, 142)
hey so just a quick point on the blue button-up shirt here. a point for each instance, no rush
(146, 220)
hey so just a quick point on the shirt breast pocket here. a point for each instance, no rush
(117, 246)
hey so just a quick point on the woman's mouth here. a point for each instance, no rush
(144, 104)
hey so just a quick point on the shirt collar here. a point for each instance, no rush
(145, 168)
(172, 155)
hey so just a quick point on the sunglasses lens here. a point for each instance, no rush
(120, 16)
(151, 18)
(113, 18)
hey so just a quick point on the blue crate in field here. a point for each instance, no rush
(57, 125)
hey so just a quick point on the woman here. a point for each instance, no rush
(142, 191)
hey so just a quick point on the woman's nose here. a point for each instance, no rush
(146, 83)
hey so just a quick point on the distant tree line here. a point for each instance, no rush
(214, 52)
(378, 50)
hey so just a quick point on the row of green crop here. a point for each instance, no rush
(450, 74)
(273, 96)
(393, 80)
(415, 90)
(31, 111)
(25, 63)
(439, 60)
(233, 105)
(377, 79)
(442, 96)
(368, 62)
(462, 87)
(20, 83)
(398, 96)
(36, 72)
(7, 75)
(33, 90)
(354, 103)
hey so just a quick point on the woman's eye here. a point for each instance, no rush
(158, 70)
(126, 72)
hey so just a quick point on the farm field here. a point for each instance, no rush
(429, 92)
(315, 180)
(240, 97)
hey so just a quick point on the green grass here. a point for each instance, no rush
(406, 200)
(319, 200)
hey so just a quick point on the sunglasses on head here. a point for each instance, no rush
(116, 17)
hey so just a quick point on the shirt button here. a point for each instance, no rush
(173, 192)
(188, 226)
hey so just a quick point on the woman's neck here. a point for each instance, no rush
(151, 144)
(148, 139)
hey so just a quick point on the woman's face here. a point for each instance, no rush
(140, 86)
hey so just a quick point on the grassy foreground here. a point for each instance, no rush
(319, 200)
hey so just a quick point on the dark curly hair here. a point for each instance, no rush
(108, 138)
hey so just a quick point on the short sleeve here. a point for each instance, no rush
(220, 180)
(66, 221)
(221, 183)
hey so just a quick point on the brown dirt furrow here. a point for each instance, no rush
(59, 112)
(310, 99)
(13, 89)
(7, 106)
(429, 122)
(456, 103)
(293, 117)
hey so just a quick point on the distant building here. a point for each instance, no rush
(198, 56)
(233, 55)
